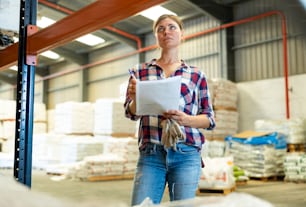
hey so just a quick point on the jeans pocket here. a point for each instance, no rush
(149, 149)
(186, 149)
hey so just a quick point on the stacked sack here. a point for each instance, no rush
(294, 129)
(258, 155)
(74, 118)
(119, 158)
(295, 167)
(224, 96)
(109, 119)
(53, 150)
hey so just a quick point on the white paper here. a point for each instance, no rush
(157, 96)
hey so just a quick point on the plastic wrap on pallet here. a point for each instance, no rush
(74, 118)
(109, 118)
(294, 129)
(119, 157)
(56, 149)
(213, 148)
(295, 167)
(217, 173)
(7, 109)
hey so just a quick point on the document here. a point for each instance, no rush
(153, 97)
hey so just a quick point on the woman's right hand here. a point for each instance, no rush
(132, 89)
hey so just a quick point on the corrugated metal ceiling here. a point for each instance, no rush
(136, 25)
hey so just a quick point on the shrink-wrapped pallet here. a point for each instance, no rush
(118, 159)
(7, 109)
(213, 148)
(258, 154)
(109, 119)
(6, 160)
(40, 113)
(295, 167)
(217, 173)
(74, 118)
(294, 128)
(54, 149)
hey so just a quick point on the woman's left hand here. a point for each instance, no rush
(180, 117)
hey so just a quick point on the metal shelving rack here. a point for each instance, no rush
(32, 42)
(25, 96)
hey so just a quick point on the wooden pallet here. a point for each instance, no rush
(110, 177)
(241, 182)
(223, 191)
(296, 147)
(268, 178)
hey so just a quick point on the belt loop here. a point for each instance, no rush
(154, 147)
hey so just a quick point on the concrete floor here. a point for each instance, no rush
(279, 193)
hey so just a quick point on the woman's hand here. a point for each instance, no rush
(180, 117)
(132, 89)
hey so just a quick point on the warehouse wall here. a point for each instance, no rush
(104, 80)
(265, 99)
(65, 87)
(6, 91)
(258, 45)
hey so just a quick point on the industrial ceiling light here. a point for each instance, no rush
(44, 22)
(304, 3)
(90, 40)
(14, 67)
(50, 54)
(154, 12)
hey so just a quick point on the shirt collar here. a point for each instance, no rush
(184, 65)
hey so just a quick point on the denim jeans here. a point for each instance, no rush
(157, 167)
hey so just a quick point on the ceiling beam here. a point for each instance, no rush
(222, 13)
(79, 59)
(91, 18)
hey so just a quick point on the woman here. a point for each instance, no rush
(158, 165)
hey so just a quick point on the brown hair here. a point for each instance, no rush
(170, 16)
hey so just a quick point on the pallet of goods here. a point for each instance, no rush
(259, 154)
(295, 167)
(217, 176)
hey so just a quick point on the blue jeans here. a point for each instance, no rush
(157, 167)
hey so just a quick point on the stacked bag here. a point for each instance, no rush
(224, 96)
(260, 155)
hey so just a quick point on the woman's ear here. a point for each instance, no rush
(182, 35)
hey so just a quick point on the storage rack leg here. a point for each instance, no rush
(24, 98)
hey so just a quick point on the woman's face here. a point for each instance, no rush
(168, 34)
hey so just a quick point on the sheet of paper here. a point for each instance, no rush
(157, 96)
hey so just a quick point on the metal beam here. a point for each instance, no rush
(91, 18)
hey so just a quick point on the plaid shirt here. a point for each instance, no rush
(194, 100)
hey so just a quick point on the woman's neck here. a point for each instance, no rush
(169, 58)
